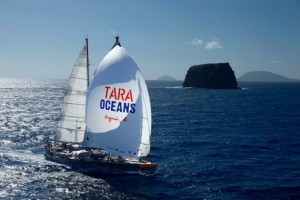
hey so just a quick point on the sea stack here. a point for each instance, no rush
(212, 76)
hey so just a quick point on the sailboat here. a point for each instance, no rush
(104, 126)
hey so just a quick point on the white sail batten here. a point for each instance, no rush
(72, 125)
(118, 108)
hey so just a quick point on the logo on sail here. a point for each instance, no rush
(118, 100)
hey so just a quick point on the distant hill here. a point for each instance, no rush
(166, 78)
(263, 76)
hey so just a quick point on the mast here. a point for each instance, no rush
(87, 62)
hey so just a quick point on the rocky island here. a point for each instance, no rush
(166, 78)
(212, 76)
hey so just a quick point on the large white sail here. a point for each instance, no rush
(72, 125)
(118, 107)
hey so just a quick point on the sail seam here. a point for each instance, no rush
(70, 128)
(78, 78)
(84, 66)
(82, 104)
(72, 116)
(76, 91)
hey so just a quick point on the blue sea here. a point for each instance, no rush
(209, 144)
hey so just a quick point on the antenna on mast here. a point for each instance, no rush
(117, 42)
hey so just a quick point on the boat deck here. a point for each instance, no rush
(94, 160)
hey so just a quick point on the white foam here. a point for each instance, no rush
(175, 87)
(5, 142)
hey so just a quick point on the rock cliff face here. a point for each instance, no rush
(213, 76)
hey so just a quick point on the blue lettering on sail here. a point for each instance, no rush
(115, 106)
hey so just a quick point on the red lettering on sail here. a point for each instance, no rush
(118, 94)
(113, 94)
(107, 88)
(121, 93)
(129, 96)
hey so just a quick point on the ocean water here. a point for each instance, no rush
(209, 144)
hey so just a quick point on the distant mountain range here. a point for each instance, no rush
(254, 76)
(166, 78)
(263, 76)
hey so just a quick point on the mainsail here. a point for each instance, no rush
(72, 125)
(118, 115)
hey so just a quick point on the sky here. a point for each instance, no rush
(41, 39)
